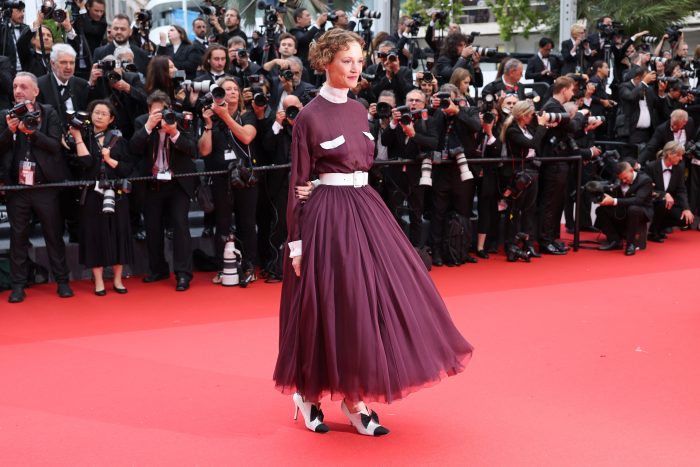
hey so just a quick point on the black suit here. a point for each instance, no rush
(495, 88)
(172, 197)
(632, 212)
(628, 116)
(94, 31)
(29, 58)
(44, 149)
(7, 72)
(444, 67)
(187, 58)
(535, 67)
(304, 36)
(400, 84)
(8, 42)
(662, 135)
(676, 188)
(128, 105)
(78, 88)
(302, 92)
(576, 63)
(140, 56)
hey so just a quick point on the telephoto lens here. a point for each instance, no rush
(232, 263)
(292, 111)
(464, 172)
(426, 172)
(108, 201)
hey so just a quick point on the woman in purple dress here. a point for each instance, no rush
(360, 318)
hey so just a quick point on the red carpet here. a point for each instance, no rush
(583, 360)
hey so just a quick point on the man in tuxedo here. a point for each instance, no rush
(215, 62)
(679, 128)
(201, 40)
(11, 31)
(637, 119)
(305, 32)
(543, 67)
(389, 75)
(575, 51)
(61, 89)
(166, 150)
(627, 211)
(33, 157)
(241, 64)
(671, 207)
(282, 86)
(598, 40)
(33, 58)
(408, 141)
(509, 81)
(121, 32)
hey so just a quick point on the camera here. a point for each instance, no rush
(49, 10)
(126, 65)
(655, 60)
(488, 117)
(521, 182)
(240, 175)
(107, 65)
(428, 77)
(252, 80)
(259, 97)
(674, 32)
(408, 116)
(485, 51)
(196, 86)
(597, 189)
(441, 16)
(365, 12)
(292, 111)
(563, 117)
(604, 165)
(445, 99)
(520, 248)
(532, 95)
(471, 36)
(242, 53)
(179, 78)
(79, 120)
(171, 117)
(415, 24)
(216, 95)
(383, 110)
(11, 5)
(287, 74)
(332, 17)
(144, 16)
(650, 39)
(596, 118)
(692, 149)
(270, 16)
(25, 112)
(461, 161)
(610, 30)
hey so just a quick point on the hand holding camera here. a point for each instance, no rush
(153, 121)
(12, 123)
(280, 117)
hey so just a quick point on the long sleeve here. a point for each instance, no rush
(299, 175)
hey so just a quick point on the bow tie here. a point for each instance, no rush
(218, 76)
(667, 170)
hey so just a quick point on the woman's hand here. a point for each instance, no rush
(304, 191)
(296, 264)
(206, 116)
(76, 134)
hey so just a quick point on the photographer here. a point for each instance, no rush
(105, 233)
(557, 142)
(215, 62)
(305, 32)
(166, 149)
(457, 52)
(121, 32)
(241, 65)
(636, 119)
(11, 31)
(453, 184)
(32, 134)
(412, 138)
(673, 96)
(185, 56)
(91, 22)
(389, 75)
(232, 22)
(575, 51)
(522, 136)
(671, 207)
(543, 67)
(274, 186)
(626, 210)
(679, 128)
(34, 48)
(226, 142)
(288, 83)
(509, 82)
(600, 103)
(603, 37)
(379, 117)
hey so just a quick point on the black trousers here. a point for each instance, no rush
(552, 193)
(694, 187)
(586, 201)
(242, 203)
(522, 212)
(665, 217)
(168, 199)
(449, 192)
(401, 183)
(638, 136)
(45, 203)
(488, 195)
(617, 222)
(273, 192)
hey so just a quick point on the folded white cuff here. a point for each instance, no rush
(294, 248)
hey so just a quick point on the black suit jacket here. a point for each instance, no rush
(45, 148)
(7, 42)
(31, 60)
(425, 140)
(7, 72)
(662, 135)
(495, 88)
(638, 194)
(570, 62)
(400, 85)
(140, 56)
(79, 90)
(535, 67)
(128, 105)
(143, 147)
(630, 95)
(94, 31)
(187, 58)
(444, 67)
(676, 186)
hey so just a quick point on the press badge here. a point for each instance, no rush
(229, 155)
(166, 176)
(27, 169)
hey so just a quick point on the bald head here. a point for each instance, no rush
(292, 100)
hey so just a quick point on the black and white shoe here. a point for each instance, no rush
(313, 416)
(365, 422)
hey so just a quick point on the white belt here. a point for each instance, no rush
(355, 179)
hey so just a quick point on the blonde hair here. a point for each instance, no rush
(322, 52)
(519, 110)
(672, 147)
(230, 79)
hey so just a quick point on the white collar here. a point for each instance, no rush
(335, 95)
(59, 81)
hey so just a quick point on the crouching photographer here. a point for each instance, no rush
(410, 135)
(226, 143)
(105, 227)
(522, 135)
(453, 183)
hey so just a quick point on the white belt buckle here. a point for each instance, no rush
(358, 179)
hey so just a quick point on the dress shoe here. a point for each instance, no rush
(63, 290)
(169, 233)
(101, 293)
(158, 276)
(656, 237)
(140, 236)
(561, 246)
(120, 290)
(551, 249)
(470, 259)
(312, 414)
(533, 253)
(611, 245)
(366, 422)
(483, 254)
(207, 232)
(17, 295)
(183, 283)
(631, 249)
(437, 259)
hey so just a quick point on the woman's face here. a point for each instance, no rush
(345, 68)
(464, 86)
(526, 119)
(173, 35)
(232, 93)
(101, 117)
(171, 69)
(427, 87)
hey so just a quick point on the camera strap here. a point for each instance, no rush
(232, 138)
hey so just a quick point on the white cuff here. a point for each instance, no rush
(491, 140)
(70, 35)
(316, 183)
(392, 124)
(276, 128)
(614, 201)
(294, 248)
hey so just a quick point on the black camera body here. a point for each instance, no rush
(25, 113)
(445, 99)
(674, 33)
(144, 16)
(171, 117)
(383, 110)
(107, 65)
(597, 189)
(292, 111)
(241, 176)
(79, 120)
(217, 95)
(259, 97)
(287, 74)
(416, 23)
(408, 116)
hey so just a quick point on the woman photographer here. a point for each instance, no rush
(521, 135)
(105, 232)
(227, 137)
